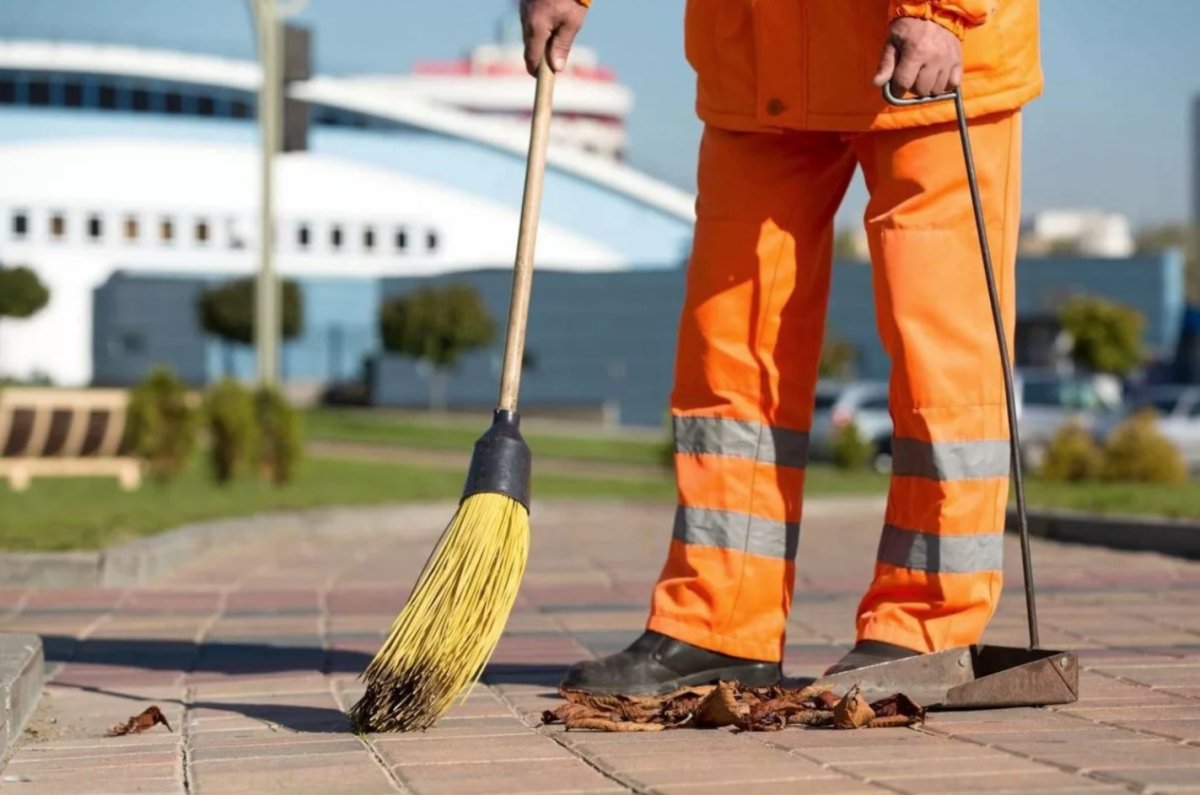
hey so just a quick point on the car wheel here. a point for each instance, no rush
(1033, 456)
(881, 460)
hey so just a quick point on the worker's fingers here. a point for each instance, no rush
(904, 78)
(956, 78)
(560, 45)
(537, 31)
(887, 65)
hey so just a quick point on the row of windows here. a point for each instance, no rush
(199, 231)
(103, 92)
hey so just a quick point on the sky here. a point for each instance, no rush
(1111, 131)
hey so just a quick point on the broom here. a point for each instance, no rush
(440, 643)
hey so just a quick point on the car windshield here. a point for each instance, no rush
(1065, 393)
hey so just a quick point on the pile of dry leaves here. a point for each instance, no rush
(730, 704)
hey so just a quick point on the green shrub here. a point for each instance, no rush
(1072, 456)
(1107, 336)
(232, 430)
(161, 427)
(850, 449)
(279, 448)
(1137, 452)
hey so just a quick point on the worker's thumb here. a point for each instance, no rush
(560, 47)
(887, 65)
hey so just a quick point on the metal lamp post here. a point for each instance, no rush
(268, 21)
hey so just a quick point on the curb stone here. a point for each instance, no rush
(1177, 538)
(22, 671)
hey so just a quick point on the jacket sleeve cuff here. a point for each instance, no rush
(956, 16)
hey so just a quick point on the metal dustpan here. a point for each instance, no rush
(979, 677)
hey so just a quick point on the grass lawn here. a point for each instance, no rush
(1145, 499)
(423, 433)
(92, 513)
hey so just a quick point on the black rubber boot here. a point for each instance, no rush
(870, 652)
(656, 664)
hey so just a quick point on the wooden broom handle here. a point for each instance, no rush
(531, 205)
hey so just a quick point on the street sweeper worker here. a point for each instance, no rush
(789, 91)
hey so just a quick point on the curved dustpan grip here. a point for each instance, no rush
(980, 676)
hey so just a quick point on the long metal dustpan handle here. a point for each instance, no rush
(531, 206)
(1005, 360)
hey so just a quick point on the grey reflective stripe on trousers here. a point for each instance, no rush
(741, 439)
(738, 531)
(941, 554)
(950, 460)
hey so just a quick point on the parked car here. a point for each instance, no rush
(1048, 400)
(1178, 410)
(863, 404)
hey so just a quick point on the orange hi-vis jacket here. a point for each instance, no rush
(808, 64)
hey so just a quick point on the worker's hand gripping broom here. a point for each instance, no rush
(441, 641)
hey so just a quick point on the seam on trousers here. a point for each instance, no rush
(724, 621)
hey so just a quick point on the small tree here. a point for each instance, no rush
(850, 450)
(22, 294)
(436, 325)
(227, 310)
(279, 445)
(161, 426)
(232, 429)
(1107, 335)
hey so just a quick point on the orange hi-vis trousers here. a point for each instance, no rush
(750, 342)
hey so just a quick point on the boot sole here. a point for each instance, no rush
(748, 675)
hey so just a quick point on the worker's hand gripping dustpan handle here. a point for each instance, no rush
(1002, 340)
(531, 204)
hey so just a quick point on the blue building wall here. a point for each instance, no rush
(609, 339)
(595, 339)
(143, 320)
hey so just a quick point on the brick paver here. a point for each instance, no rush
(253, 652)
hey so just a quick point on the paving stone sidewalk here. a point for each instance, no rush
(253, 652)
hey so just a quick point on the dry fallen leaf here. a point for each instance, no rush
(853, 711)
(148, 719)
(731, 705)
(721, 709)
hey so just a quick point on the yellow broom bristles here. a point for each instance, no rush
(440, 643)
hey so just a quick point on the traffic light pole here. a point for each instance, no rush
(268, 19)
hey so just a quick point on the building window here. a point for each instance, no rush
(141, 99)
(166, 230)
(95, 226)
(58, 226)
(369, 238)
(202, 234)
(20, 225)
(431, 241)
(205, 106)
(239, 109)
(108, 97)
(303, 236)
(8, 92)
(39, 92)
(174, 102)
(73, 95)
(401, 240)
(335, 237)
(130, 228)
